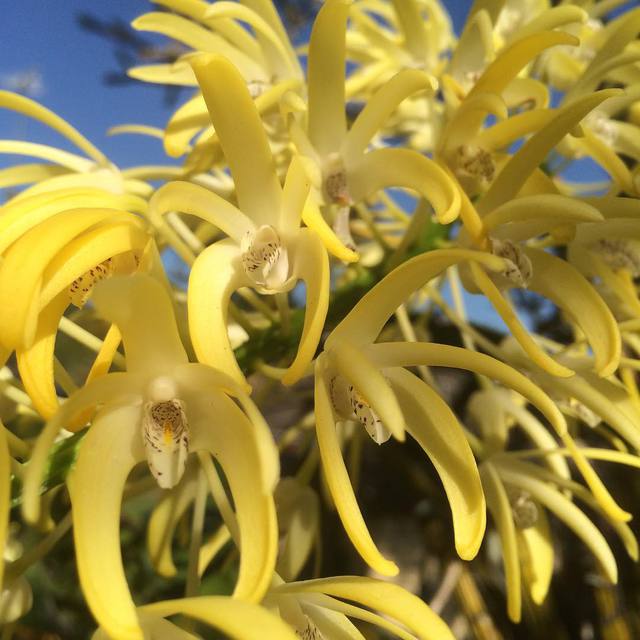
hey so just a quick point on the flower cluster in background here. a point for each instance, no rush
(202, 445)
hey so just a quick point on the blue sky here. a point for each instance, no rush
(43, 35)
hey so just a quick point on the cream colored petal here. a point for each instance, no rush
(215, 275)
(365, 321)
(141, 308)
(355, 366)
(571, 515)
(237, 619)
(406, 168)
(111, 448)
(436, 429)
(221, 428)
(332, 624)
(561, 283)
(310, 264)
(498, 503)
(164, 519)
(242, 136)
(385, 597)
(111, 388)
(28, 173)
(33, 110)
(186, 197)
(65, 159)
(513, 175)
(326, 62)
(339, 483)
(377, 110)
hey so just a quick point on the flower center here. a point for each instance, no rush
(349, 404)
(165, 432)
(81, 288)
(335, 185)
(524, 509)
(619, 254)
(472, 161)
(518, 269)
(264, 258)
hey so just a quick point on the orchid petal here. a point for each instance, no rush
(365, 321)
(340, 485)
(111, 448)
(331, 624)
(234, 617)
(215, 275)
(310, 264)
(32, 109)
(326, 77)
(5, 494)
(312, 217)
(405, 168)
(513, 175)
(294, 196)
(385, 597)
(436, 429)
(186, 197)
(378, 109)
(65, 159)
(108, 389)
(561, 283)
(358, 370)
(184, 124)
(242, 136)
(28, 174)
(537, 557)
(221, 428)
(498, 503)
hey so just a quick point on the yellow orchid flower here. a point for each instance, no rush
(160, 410)
(265, 58)
(343, 173)
(266, 249)
(315, 609)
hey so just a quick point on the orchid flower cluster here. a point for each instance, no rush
(333, 204)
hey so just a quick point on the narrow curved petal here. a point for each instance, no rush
(358, 369)
(32, 109)
(389, 167)
(64, 159)
(163, 522)
(326, 70)
(35, 363)
(184, 124)
(111, 388)
(571, 515)
(210, 549)
(312, 217)
(111, 448)
(385, 597)
(28, 174)
(214, 277)
(498, 503)
(294, 196)
(378, 109)
(310, 264)
(537, 557)
(221, 428)
(331, 624)
(240, 620)
(533, 152)
(365, 321)
(340, 485)
(436, 429)
(186, 197)
(141, 308)
(506, 311)
(243, 138)
(561, 283)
